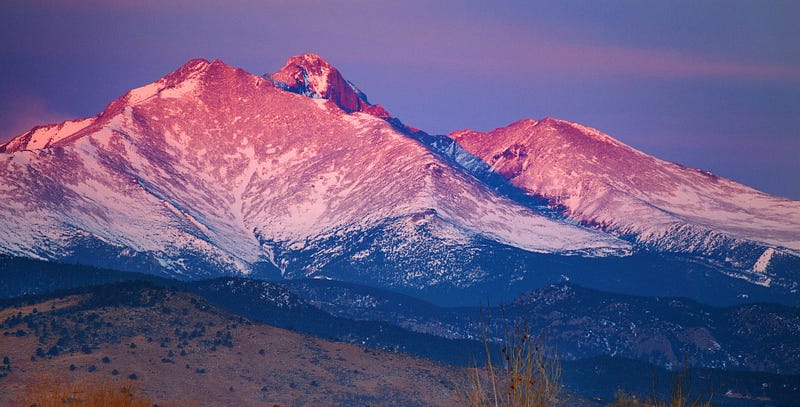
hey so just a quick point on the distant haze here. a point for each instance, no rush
(713, 85)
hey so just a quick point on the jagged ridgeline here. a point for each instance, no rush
(214, 171)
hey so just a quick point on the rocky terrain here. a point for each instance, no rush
(214, 171)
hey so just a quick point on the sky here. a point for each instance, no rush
(709, 84)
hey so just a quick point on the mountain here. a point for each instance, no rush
(212, 170)
(662, 206)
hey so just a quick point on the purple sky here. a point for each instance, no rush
(709, 84)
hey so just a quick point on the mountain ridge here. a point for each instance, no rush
(663, 205)
(213, 170)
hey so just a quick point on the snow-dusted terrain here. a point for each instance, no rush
(44, 136)
(213, 170)
(661, 205)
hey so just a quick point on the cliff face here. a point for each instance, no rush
(311, 75)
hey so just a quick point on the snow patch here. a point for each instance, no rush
(187, 87)
(46, 136)
(763, 261)
(143, 93)
(321, 104)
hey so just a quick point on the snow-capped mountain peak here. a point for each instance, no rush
(604, 183)
(311, 72)
(311, 75)
(179, 83)
(214, 170)
(182, 81)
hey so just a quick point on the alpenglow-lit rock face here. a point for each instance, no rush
(310, 75)
(662, 205)
(213, 170)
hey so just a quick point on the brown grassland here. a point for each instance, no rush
(146, 346)
(176, 349)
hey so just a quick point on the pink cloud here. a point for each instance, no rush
(409, 32)
(495, 47)
(20, 114)
(619, 60)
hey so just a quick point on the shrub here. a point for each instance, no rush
(680, 395)
(526, 375)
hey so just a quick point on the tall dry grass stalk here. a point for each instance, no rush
(680, 395)
(57, 392)
(527, 374)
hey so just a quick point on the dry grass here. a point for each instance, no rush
(50, 392)
(265, 365)
(680, 395)
(527, 375)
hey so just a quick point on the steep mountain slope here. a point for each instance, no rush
(213, 170)
(601, 182)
